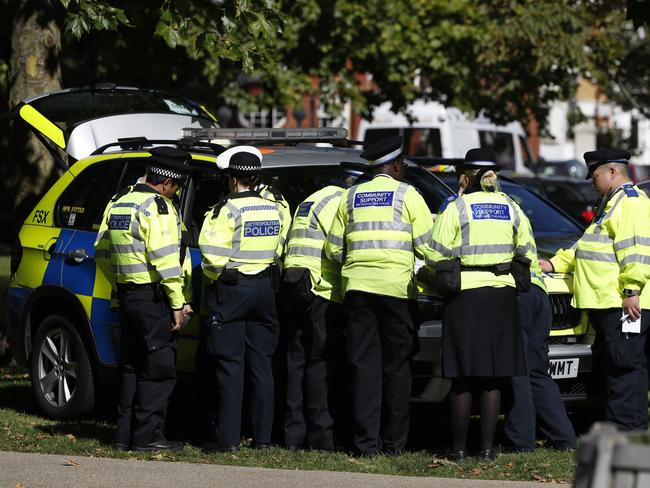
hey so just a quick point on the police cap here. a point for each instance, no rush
(240, 161)
(384, 151)
(479, 158)
(169, 162)
(603, 156)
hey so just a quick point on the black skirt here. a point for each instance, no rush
(481, 334)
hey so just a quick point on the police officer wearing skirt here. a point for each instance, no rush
(478, 243)
(140, 237)
(239, 240)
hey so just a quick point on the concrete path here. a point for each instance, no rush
(52, 470)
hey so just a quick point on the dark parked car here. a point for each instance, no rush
(570, 167)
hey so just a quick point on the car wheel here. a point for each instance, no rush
(62, 379)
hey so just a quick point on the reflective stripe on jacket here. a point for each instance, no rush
(305, 249)
(613, 254)
(241, 233)
(378, 226)
(482, 229)
(140, 236)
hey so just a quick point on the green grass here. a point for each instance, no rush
(23, 429)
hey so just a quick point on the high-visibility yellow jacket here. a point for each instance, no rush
(140, 238)
(241, 232)
(482, 229)
(269, 193)
(377, 228)
(613, 254)
(305, 249)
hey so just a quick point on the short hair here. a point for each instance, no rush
(156, 179)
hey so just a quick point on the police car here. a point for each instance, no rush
(60, 318)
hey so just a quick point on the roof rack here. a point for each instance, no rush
(138, 143)
(324, 134)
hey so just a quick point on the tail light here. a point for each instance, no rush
(587, 215)
(16, 255)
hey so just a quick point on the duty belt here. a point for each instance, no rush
(497, 269)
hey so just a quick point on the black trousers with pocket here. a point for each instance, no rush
(380, 342)
(147, 365)
(242, 334)
(620, 363)
(314, 358)
(536, 398)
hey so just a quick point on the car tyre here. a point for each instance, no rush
(61, 374)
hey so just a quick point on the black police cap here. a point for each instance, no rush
(603, 156)
(479, 158)
(384, 151)
(244, 163)
(169, 162)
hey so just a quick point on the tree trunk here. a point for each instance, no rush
(34, 68)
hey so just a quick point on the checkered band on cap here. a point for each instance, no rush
(244, 162)
(165, 172)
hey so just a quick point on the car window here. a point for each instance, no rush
(431, 189)
(570, 193)
(543, 217)
(82, 203)
(502, 145)
(419, 142)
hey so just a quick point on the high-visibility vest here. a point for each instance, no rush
(140, 236)
(378, 227)
(613, 254)
(482, 229)
(305, 249)
(241, 232)
(269, 193)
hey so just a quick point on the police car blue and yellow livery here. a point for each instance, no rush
(242, 232)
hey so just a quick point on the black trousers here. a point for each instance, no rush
(314, 360)
(380, 338)
(147, 365)
(620, 361)
(536, 399)
(242, 335)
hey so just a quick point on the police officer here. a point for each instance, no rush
(239, 240)
(611, 263)
(270, 193)
(377, 228)
(478, 249)
(536, 399)
(312, 291)
(141, 237)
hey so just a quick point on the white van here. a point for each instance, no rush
(439, 132)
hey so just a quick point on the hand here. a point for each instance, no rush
(187, 309)
(178, 320)
(546, 266)
(632, 307)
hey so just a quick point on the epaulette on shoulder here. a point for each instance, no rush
(446, 202)
(163, 209)
(217, 207)
(630, 191)
(121, 193)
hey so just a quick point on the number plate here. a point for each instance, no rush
(564, 368)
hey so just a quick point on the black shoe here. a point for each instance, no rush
(564, 447)
(458, 457)
(487, 455)
(161, 445)
(261, 445)
(213, 447)
(368, 454)
(393, 452)
(294, 448)
(119, 446)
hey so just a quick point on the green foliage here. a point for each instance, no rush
(508, 59)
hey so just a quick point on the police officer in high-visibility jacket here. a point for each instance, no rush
(239, 241)
(313, 295)
(478, 245)
(140, 235)
(378, 227)
(611, 264)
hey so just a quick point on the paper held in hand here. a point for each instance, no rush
(630, 326)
